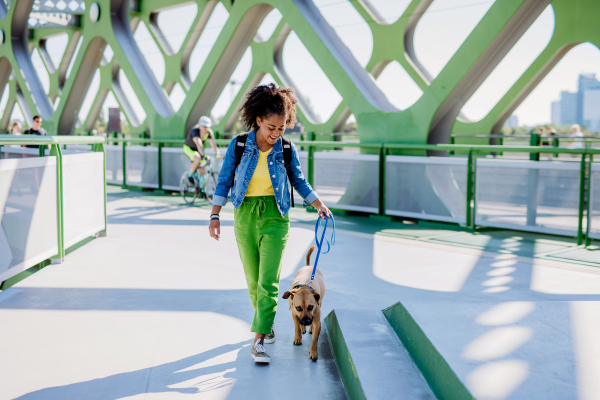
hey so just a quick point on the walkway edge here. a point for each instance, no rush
(438, 374)
(343, 359)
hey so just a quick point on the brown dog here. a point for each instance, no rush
(305, 303)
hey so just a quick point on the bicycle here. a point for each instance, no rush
(204, 185)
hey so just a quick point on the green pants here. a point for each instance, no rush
(261, 234)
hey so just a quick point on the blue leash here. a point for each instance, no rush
(320, 244)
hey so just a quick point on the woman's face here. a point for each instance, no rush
(271, 127)
(16, 129)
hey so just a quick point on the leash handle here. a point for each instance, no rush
(323, 238)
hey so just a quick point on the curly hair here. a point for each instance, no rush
(265, 100)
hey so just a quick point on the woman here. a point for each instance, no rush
(15, 129)
(261, 197)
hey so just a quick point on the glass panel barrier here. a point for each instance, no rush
(595, 202)
(114, 164)
(347, 181)
(28, 213)
(83, 196)
(142, 166)
(432, 188)
(537, 196)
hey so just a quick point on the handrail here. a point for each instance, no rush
(544, 136)
(156, 140)
(62, 139)
(489, 148)
(401, 146)
(489, 136)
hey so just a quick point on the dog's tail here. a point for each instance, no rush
(310, 251)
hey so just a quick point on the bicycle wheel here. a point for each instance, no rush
(210, 187)
(188, 191)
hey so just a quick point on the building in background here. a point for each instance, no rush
(568, 108)
(582, 107)
(555, 113)
(512, 121)
(591, 110)
(586, 83)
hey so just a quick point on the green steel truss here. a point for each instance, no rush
(430, 120)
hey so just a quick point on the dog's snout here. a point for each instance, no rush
(306, 321)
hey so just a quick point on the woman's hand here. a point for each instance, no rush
(214, 228)
(321, 208)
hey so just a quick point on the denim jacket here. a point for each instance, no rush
(245, 170)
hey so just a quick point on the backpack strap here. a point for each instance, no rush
(287, 151)
(240, 146)
(287, 160)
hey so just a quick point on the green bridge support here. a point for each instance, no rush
(430, 120)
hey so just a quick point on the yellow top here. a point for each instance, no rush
(260, 184)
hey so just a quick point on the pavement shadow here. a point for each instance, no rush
(142, 216)
(155, 379)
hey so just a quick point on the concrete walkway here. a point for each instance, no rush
(158, 310)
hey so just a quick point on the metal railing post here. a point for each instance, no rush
(382, 180)
(99, 148)
(588, 240)
(42, 150)
(452, 141)
(56, 152)
(311, 166)
(533, 182)
(474, 189)
(1, 156)
(124, 186)
(160, 166)
(534, 140)
(582, 174)
(469, 196)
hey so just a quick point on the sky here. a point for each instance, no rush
(439, 33)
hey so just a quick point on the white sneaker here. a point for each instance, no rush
(259, 354)
(270, 338)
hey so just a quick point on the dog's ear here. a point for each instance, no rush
(317, 296)
(290, 293)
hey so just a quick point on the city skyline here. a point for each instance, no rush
(581, 107)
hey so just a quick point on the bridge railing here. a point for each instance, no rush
(555, 197)
(50, 200)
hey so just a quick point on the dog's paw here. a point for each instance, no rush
(313, 355)
(310, 330)
(298, 342)
(303, 330)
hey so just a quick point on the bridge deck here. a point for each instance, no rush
(158, 310)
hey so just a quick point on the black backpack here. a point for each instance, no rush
(240, 146)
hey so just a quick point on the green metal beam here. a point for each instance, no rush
(430, 120)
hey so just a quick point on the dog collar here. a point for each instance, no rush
(304, 284)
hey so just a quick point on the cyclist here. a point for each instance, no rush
(194, 146)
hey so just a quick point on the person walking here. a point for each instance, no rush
(15, 129)
(575, 142)
(36, 129)
(261, 197)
